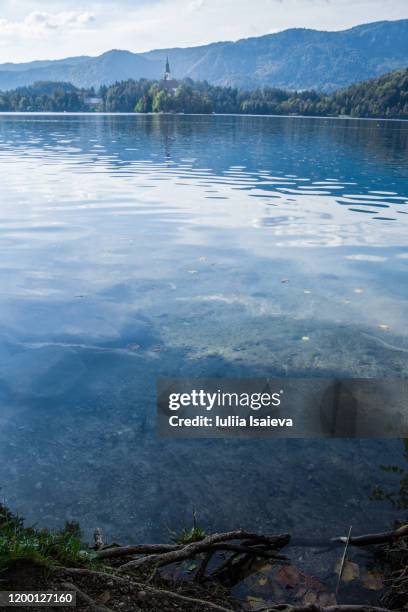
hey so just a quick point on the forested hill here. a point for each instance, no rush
(384, 97)
(297, 58)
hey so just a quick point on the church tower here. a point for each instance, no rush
(168, 82)
(167, 73)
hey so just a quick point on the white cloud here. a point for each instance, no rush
(72, 27)
(38, 22)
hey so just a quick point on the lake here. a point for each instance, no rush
(134, 247)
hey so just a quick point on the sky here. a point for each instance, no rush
(53, 29)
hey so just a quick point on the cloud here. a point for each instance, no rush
(195, 5)
(37, 22)
(61, 28)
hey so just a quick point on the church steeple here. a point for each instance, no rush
(167, 73)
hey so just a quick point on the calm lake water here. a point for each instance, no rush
(141, 246)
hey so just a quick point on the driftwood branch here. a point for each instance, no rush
(370, 539)
(137, 549)
(195, 548)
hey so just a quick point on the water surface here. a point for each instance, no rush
(133, 247)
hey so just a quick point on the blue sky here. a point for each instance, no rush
(43, 29)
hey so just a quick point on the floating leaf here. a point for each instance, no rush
(351, 571)
(384, 327)
(358, 290)
(305, 338)
(373, 580)
(287, 576)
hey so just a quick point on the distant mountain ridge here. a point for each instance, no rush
(292, 59)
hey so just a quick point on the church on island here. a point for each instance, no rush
(168, 82)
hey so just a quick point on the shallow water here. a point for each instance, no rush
(141, 246)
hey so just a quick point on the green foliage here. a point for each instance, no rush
(20, 543)
(386, 96)
(45, 97)
(195, 533)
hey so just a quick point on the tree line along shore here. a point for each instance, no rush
(383, 97)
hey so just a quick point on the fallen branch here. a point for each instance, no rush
(375, 538)
(137, 549)
(370, 539)
(254, 551)
(195, 548)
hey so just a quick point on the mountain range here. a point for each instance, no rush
(297, 58)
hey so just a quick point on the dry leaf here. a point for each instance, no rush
(104, 597)
(287, 576)
(327, 599)
(373, 580)
(310, 598)
(313, 583)
(351, 571)
(300, 592)
(255, 602)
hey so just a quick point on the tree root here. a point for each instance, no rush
(141, 588)
(88, 600)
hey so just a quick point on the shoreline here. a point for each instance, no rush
(123, 114)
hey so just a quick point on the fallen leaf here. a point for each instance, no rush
(255, 602)
(287, 576)
(104, 597)
(300, 592)
(192, 566)
(310, 598)
(373, 580)
(351, 571)
(313, 583)
(326, 599)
